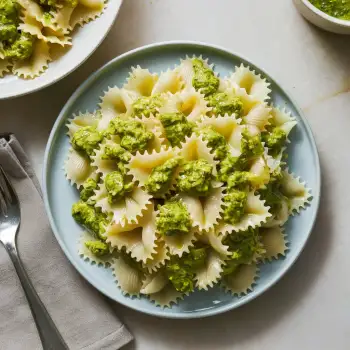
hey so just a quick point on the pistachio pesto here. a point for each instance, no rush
(196, 177)
(147, 105)
(176, 127)
(335, 8)
(222, 104)
(88, 216)
(159, 181)
(272, 193)
(251, 148)
(117, 186)
(274, 140)
(117, 153)
(235, 203)
(134, 135)
(9, 19)
(173, 219)
(240, 180)
(215, 141)
(204, 79)
(88, 190)
(97, 248)
(13, 43)
(86, 140)
(243, 247)
(181, 271)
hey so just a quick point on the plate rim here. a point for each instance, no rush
(185, 315)
(80, 62)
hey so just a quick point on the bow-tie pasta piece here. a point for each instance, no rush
(242, 211)
(155, 171)
(139, 239)
(94, 250)
(198, 74)
(86, 11)
(253, 83)
(78, 168)
(209, 273)
(128, 274)
(48, 35)
(188, 102)
(241, 281)
(168, 82)
(159, 259)
(120, 198)
(141, 81)
(82, 119)
(115, 102)
(296, 192)
(36, 63)
(274, 242)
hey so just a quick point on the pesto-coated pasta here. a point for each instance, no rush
(182, 180)
(30, 30)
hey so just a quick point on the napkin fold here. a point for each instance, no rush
(83, 316)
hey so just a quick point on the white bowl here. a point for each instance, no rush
(321, 19)
(85, 42)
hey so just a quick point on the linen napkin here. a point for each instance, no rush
(82, 315)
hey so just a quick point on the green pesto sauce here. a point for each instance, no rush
(86, 140)
(159, 181)
(86, 215)
(239, 180)
(117, 153)
(181, 271)
(97, 248)
(177, 127)
(89, 187)
(204, 79)
(272, 194)
(222, 104)
(251, 145)
(251, 148)
(173, 219)
(274, 140)
(14, 44)
(243, 247)
(9, 18)
(215, 141)
(235, 203)
(134, 135)
(117, 186)
(147, 105)
(196, 178)
(335, 8)
(21, 48)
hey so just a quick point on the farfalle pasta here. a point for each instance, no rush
(182, 181)
(29, 30)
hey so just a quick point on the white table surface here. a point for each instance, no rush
(310, 307)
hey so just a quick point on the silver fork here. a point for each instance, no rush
(10, 219)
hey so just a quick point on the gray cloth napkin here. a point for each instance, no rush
(82, 315)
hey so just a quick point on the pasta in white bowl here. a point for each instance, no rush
(44, 40)
(182, 180)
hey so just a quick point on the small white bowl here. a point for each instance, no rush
(321, 19)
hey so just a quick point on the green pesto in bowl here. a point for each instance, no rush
(335, 8)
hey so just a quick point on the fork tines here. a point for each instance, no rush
(5, 194)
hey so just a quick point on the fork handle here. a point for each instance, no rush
(50, 337)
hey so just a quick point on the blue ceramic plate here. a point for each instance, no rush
(59, 195)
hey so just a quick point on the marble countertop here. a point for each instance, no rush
(310, 307)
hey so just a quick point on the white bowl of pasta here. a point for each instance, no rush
(45, 40)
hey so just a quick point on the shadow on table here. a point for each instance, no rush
(248, 321)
